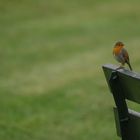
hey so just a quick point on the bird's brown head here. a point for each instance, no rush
(119, 44)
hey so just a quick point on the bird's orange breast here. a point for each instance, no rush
(117, 50)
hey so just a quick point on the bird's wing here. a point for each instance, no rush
(125, 54)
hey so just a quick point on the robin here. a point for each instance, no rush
(121, 54)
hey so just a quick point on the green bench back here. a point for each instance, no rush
(124, 84)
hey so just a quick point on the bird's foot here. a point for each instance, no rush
(120, 67)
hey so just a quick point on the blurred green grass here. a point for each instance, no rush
(51, 52)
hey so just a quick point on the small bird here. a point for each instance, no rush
(121, 54)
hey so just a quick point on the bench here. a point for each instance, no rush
(124, 85)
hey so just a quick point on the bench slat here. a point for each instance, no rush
(132, 127)
(130, 81)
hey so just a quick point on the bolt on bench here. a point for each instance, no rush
(124, 85)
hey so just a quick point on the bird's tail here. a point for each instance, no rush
(129, 65)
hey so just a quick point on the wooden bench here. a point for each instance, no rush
(124, 85)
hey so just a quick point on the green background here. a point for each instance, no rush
(52, 86)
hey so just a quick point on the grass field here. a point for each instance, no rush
(51, 82)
